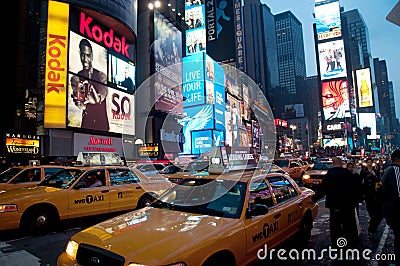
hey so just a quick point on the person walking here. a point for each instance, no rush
(357, 176)
(341, 188)
(391, 200)
(372, 190)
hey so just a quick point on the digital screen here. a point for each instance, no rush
(121, 74)
(368, 120)
(195, 118)
(101, 78)
(194, 16)
(166, 51)
(233, 120)
(202, 141)
(332, 60)
(219, 96)
(193, 80)
(327, 20)
(335, 142)
(335, 99)
(195, 41)
(364, 88)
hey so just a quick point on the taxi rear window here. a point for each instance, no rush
(282, 163)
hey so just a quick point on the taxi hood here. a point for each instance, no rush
(156, 233)
(10, 196)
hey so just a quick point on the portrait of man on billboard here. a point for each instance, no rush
(89, 89)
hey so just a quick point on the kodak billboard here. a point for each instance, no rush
(56, 65)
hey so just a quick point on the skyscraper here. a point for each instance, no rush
(291, 59)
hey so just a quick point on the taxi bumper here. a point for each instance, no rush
(9, 220)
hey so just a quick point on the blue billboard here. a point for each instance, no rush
(195, 118)
(219, 94)
(204, 140)
(193, 80)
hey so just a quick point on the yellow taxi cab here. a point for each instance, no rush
(313, 177)
(69, 193)
(26, 176)
(224, 218)
(292, 166)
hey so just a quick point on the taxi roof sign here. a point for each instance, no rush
(225, 159)
(99, 158)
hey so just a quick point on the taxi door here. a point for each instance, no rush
(289, 204)
(84, 200)
(125, 189)
(262, 232)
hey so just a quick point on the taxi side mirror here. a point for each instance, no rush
(256, 210)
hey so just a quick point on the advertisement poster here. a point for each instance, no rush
(202, 141)
(364, 88)
(368, 120)
(219, 95)
(166, 51)
(327, 20)
(332, 60)
(193, 80)
(335, 99)
(233, 121)
(196, 32)
(195, 118)
(117, 115)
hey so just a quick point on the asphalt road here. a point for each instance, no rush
(44, 250)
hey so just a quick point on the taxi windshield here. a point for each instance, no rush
(62, 179)
(323, 166)
(222, 198)
(9, 173)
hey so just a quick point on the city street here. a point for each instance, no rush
(44, 250)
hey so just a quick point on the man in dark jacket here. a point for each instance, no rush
(341, 190)
(391, 200)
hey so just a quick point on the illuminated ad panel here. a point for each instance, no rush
(332, 61)
(196, 32)
(233, 120)
(246, 107)
(368, 120)
(203, 141)
(335, 142)
(193, 80)
(56, 65)
(327, 20)
(195, 118)
(101, 77)
(20, 144)
(294, 111)
(166, 51)
(335, 99)
(220, 22)
(216, 91)
(364, 88)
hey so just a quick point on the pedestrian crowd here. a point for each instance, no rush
(378, 185)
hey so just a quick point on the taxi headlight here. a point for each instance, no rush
(306, 176)
(71, 249)
(8, 208)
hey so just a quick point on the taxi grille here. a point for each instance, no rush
(90, 255)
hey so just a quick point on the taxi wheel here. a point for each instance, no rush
(220, 258)
(145, 201)
(39, 220)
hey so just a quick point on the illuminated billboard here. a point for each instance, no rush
(193, 80)
(101, 77)
(219, 96)
(204, 140)
(368, 120)
(332, 60)
(364, 88)
(196, 33)
(56, 65)
(327, 20)
(22, 144)
(220, 20)
(335, 99)
(95, 89)
(233, 120)
(166, 51)
(195, 118)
